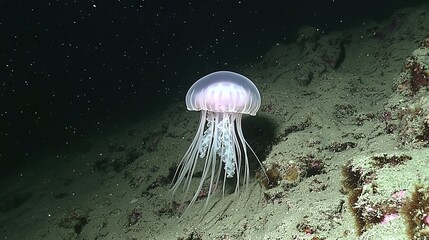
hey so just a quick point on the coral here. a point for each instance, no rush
(288, 174)
(367, 213)
(393, 160)
(270, 178)
(416, 212)
(306, 228)
(415, 75)
(419, 76)
(387, 117)
(292, 173)
(359, 181)
(424, 136)
(351, 179)
(410, 125)
(313, 166)
(339, 147)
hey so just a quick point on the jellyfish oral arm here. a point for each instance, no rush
(226, 150)
(207, 136)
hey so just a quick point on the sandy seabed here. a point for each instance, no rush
(343, 133)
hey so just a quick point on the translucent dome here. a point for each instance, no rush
(224, 91)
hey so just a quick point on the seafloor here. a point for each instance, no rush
(343, 133)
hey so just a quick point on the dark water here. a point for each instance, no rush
(74, 68)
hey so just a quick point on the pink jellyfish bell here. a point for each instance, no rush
(222, 97)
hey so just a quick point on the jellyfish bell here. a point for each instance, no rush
(224, 91)
(222, 98)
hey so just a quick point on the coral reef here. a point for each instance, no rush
(416, 213)
(418, 75)
(416, 71)
(378, 187)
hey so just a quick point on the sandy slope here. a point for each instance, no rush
(323, 102)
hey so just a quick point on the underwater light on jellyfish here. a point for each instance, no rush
(222, 98)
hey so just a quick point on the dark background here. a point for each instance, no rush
(74, 68)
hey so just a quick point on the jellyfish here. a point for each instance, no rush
(222, 98)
